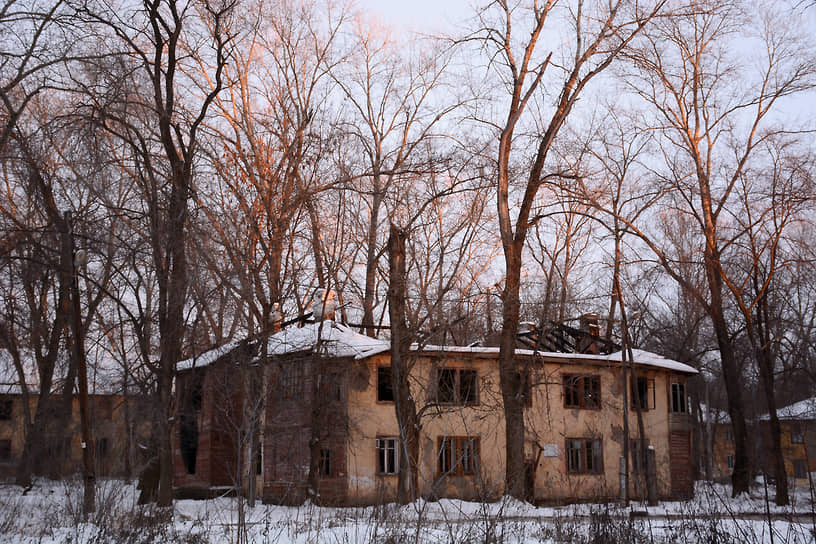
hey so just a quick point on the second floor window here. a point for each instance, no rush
(678, 397)
(457, 386)
(796, 435)
(643, 394)
(325, 462)
(385, 390)
(582, 391)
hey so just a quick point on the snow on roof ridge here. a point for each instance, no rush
(804, 409)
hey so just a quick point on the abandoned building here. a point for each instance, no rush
(118, 425)
(310, 410)
(798, 437)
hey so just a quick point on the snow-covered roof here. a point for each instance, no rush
(104, 374)
(804, 409)
(336, 340)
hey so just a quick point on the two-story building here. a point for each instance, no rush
(314, 406)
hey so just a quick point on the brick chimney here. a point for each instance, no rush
(589, 325)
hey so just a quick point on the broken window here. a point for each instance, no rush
(458, 456)
(643, 394)
(582, 392)
(678, 397)
(584, 456)
(457, 386)
(6, 407)
(387, 455)
(325, 462)
(385, 390)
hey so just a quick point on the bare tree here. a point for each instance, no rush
(600, 33)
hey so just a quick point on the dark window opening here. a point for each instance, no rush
(582, 392)
(325, 462)
(291, 381)
(102, 448)
(188, 441)
(638, 450)
(796, 434)
(5, 451)
(678, 393)
(643, 394)
(457, 386)
(258, 458)
(6, 408)
(458, 456)
(525, 388)
(584, 456)
(385, 390)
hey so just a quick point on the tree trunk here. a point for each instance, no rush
(404, 405)
(510, 382)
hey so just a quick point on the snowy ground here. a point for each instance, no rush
(50, 513)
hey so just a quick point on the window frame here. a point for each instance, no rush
(458, 455)
(457, 387)
(325, 464)
(637, 451)
(381, 445)
(677, 393)
(650, 399)
(586, 444)
(581, 393)
(800, 469)
(729, 461)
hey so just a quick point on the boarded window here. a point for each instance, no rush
(325, 462)
(582, 391)
(458, 455)
(387, 455)
(457, 386)
(643, 394)
(385, 391)
(584, 456)
(678, 397)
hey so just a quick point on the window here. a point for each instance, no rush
(385, 392)
(525, 388)
(5, 451)
(584, 456)
(258, 457)
(582, 392)
(637, 449)
(102, 448)
(730, 461)
(643, 394)
(729, 434)
(387, 456)
(330, 386)
(799, 468)
(457, 386)
(796, 434)
(325, 462)
(678, 397)
(291, 381)
(6, 406)
(458, 456)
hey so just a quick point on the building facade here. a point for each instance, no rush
(309, 412)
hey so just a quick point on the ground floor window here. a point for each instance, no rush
(387, 455)
(799, 468)
(730, 461)
(458, 455)
(5, 450)
(584, 455)
(325, 462)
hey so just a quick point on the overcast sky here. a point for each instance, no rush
(418, 15)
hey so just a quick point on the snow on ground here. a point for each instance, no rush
(50, 513)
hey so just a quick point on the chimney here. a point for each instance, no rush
(324, 304)
(275, 318)
(589, 325)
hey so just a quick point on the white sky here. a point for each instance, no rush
(419, 15)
